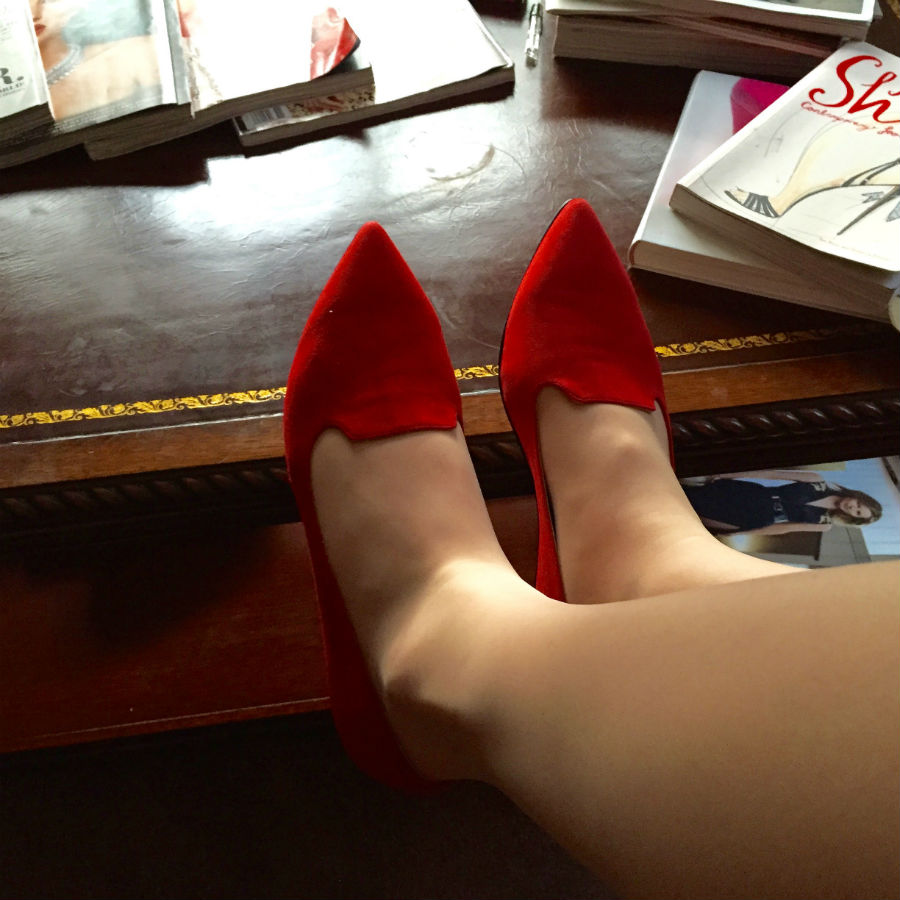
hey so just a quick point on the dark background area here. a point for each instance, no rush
(261, 809)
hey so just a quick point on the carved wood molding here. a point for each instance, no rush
(706, 442)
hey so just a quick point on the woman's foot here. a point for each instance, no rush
(372, 416)
(575, 323)
(624, 528)
(408, 536)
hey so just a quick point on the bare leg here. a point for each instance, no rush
(737, 741)
(623, 524)
(724, 740)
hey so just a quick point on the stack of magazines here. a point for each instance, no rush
(411, 69)
(118, 75)
(789, 193)
(768, 38)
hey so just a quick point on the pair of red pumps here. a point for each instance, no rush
(372, 362)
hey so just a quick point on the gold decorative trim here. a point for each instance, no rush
(469, 373)
(755, 341)
(140, 407)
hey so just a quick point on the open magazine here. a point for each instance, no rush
(124, 74)
(812, 516)
(104, 59)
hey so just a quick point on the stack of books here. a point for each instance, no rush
(799, 202)
(765, 38)
(118, 75)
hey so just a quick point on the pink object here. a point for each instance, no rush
(750, 97)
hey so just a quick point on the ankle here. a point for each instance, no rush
(430, 673)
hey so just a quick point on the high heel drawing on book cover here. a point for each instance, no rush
(818, 170)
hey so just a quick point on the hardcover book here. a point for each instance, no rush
(408, 70)
(668, 243)
(24, 99)
(813, 183)
(845, 18)
(718, 45)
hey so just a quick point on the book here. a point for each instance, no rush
(409, 71)
(813, 182)
(843, 18)
(666, 41)
(271, 69)
(720, 35)
(24, 98)
(102, 60)
(670, 244)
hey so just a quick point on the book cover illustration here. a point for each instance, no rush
(103, 58)
(234, 50)
(822, 164)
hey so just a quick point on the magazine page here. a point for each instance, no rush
(814, 516)
(822, 164)
(405, 66)
(103, 58)
(280, 43)
(22, 84)
(405, 62)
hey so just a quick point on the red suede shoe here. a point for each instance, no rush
(574, 323)
(371, 362)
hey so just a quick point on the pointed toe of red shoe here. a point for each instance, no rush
(372, 336)
(575, 320)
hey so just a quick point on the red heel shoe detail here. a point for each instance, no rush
(574, 323)
(371, 362)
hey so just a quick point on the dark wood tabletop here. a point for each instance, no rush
(150, 305)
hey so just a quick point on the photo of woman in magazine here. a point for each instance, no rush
(100, 58)
(801, 501)
(817, 516)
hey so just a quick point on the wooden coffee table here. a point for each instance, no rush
(150, 305)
